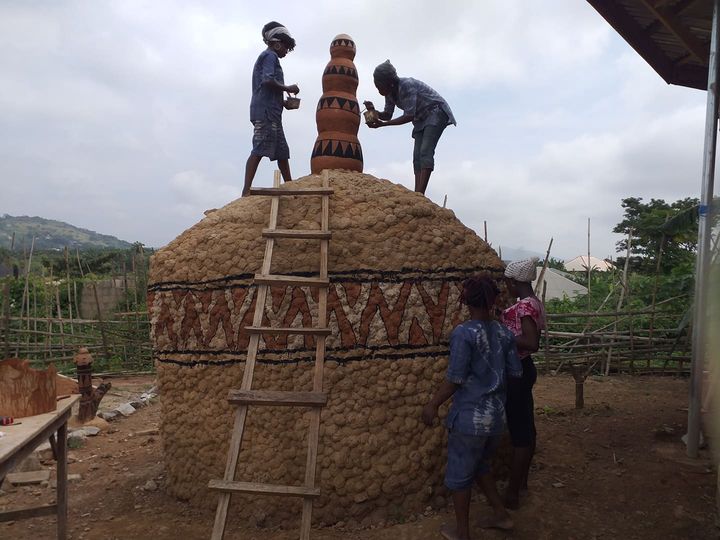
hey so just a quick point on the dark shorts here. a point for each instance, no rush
(468, 457)
(426, 141)
(520, 407)
(269, 140)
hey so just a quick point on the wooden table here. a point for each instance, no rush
(21, 440)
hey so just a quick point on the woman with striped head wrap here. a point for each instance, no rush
(526, 319)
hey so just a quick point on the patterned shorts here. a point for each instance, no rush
(269, 140)
(468, 457)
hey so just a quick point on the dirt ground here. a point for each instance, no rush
(615, 469)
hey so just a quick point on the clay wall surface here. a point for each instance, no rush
(396, 265)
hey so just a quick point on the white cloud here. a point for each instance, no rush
(194, 189)
(109, 110)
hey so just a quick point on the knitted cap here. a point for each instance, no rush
(385, 73)
(525, 270)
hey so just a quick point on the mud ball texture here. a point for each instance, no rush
(396, 265)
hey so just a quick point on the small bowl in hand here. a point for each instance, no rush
(371, 116)
(292, 103)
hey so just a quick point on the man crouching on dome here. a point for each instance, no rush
(428, 111)
(482, 352)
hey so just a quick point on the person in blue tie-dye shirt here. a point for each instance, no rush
(482, 353)
(421, 105)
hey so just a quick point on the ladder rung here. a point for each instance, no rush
(278, 192)
(270, 489)
(286, 331)
(295, 233)
(277, 398)
(277, 279)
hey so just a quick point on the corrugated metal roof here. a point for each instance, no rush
(673, 36)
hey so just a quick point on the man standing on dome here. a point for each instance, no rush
(421, 105)
(266, 105)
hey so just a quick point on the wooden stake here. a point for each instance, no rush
(622, 295)
(67, 279)
(26, 295)
(541, 277)
(6, 317)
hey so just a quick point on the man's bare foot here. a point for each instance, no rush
(504, 523)
(449, 533)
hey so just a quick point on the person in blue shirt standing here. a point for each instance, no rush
(482, 352)
(421, 105)
(266, 105)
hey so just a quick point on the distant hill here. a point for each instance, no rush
(52, 235)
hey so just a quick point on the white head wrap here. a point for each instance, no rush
(525, 270)
(270, 34)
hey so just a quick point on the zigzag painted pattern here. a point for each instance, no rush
(339, 103)
(341, 70)
(343, 43)
(375, 318)
(342, 149)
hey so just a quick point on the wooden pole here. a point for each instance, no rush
(135, 290)
(35, 322)
(25, 292)
(541, 277)
(67, 279)
(622, 294)
(75, 299)
(59, 314)
(589, 265)
(485, 229)
(48, 317)
(6, 317)
(97, 305)
(547, 331)
(655, 288)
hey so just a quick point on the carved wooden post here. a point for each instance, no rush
(89, 397)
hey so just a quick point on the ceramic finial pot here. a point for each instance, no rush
(338, 112)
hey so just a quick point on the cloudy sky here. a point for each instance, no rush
(131, 117)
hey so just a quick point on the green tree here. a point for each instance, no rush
(658, 224)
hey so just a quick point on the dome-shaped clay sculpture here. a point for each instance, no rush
(396, 265)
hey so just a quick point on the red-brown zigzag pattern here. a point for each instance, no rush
(361, 315)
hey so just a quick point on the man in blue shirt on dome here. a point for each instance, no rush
(421, 105)
(266, 105)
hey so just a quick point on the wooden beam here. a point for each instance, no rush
(690, 75)
(297, 234)
(277, 398)
(669, 19)
(263, 489)
(297, 281)
(634, 34)
(285, 192)
(277, 330)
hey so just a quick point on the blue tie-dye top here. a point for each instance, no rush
(481, 354)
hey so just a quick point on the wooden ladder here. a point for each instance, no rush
(246, 396)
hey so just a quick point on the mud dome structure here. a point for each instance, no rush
(396, 264)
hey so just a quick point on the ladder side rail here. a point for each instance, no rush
(314, 431)
(248, 372)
